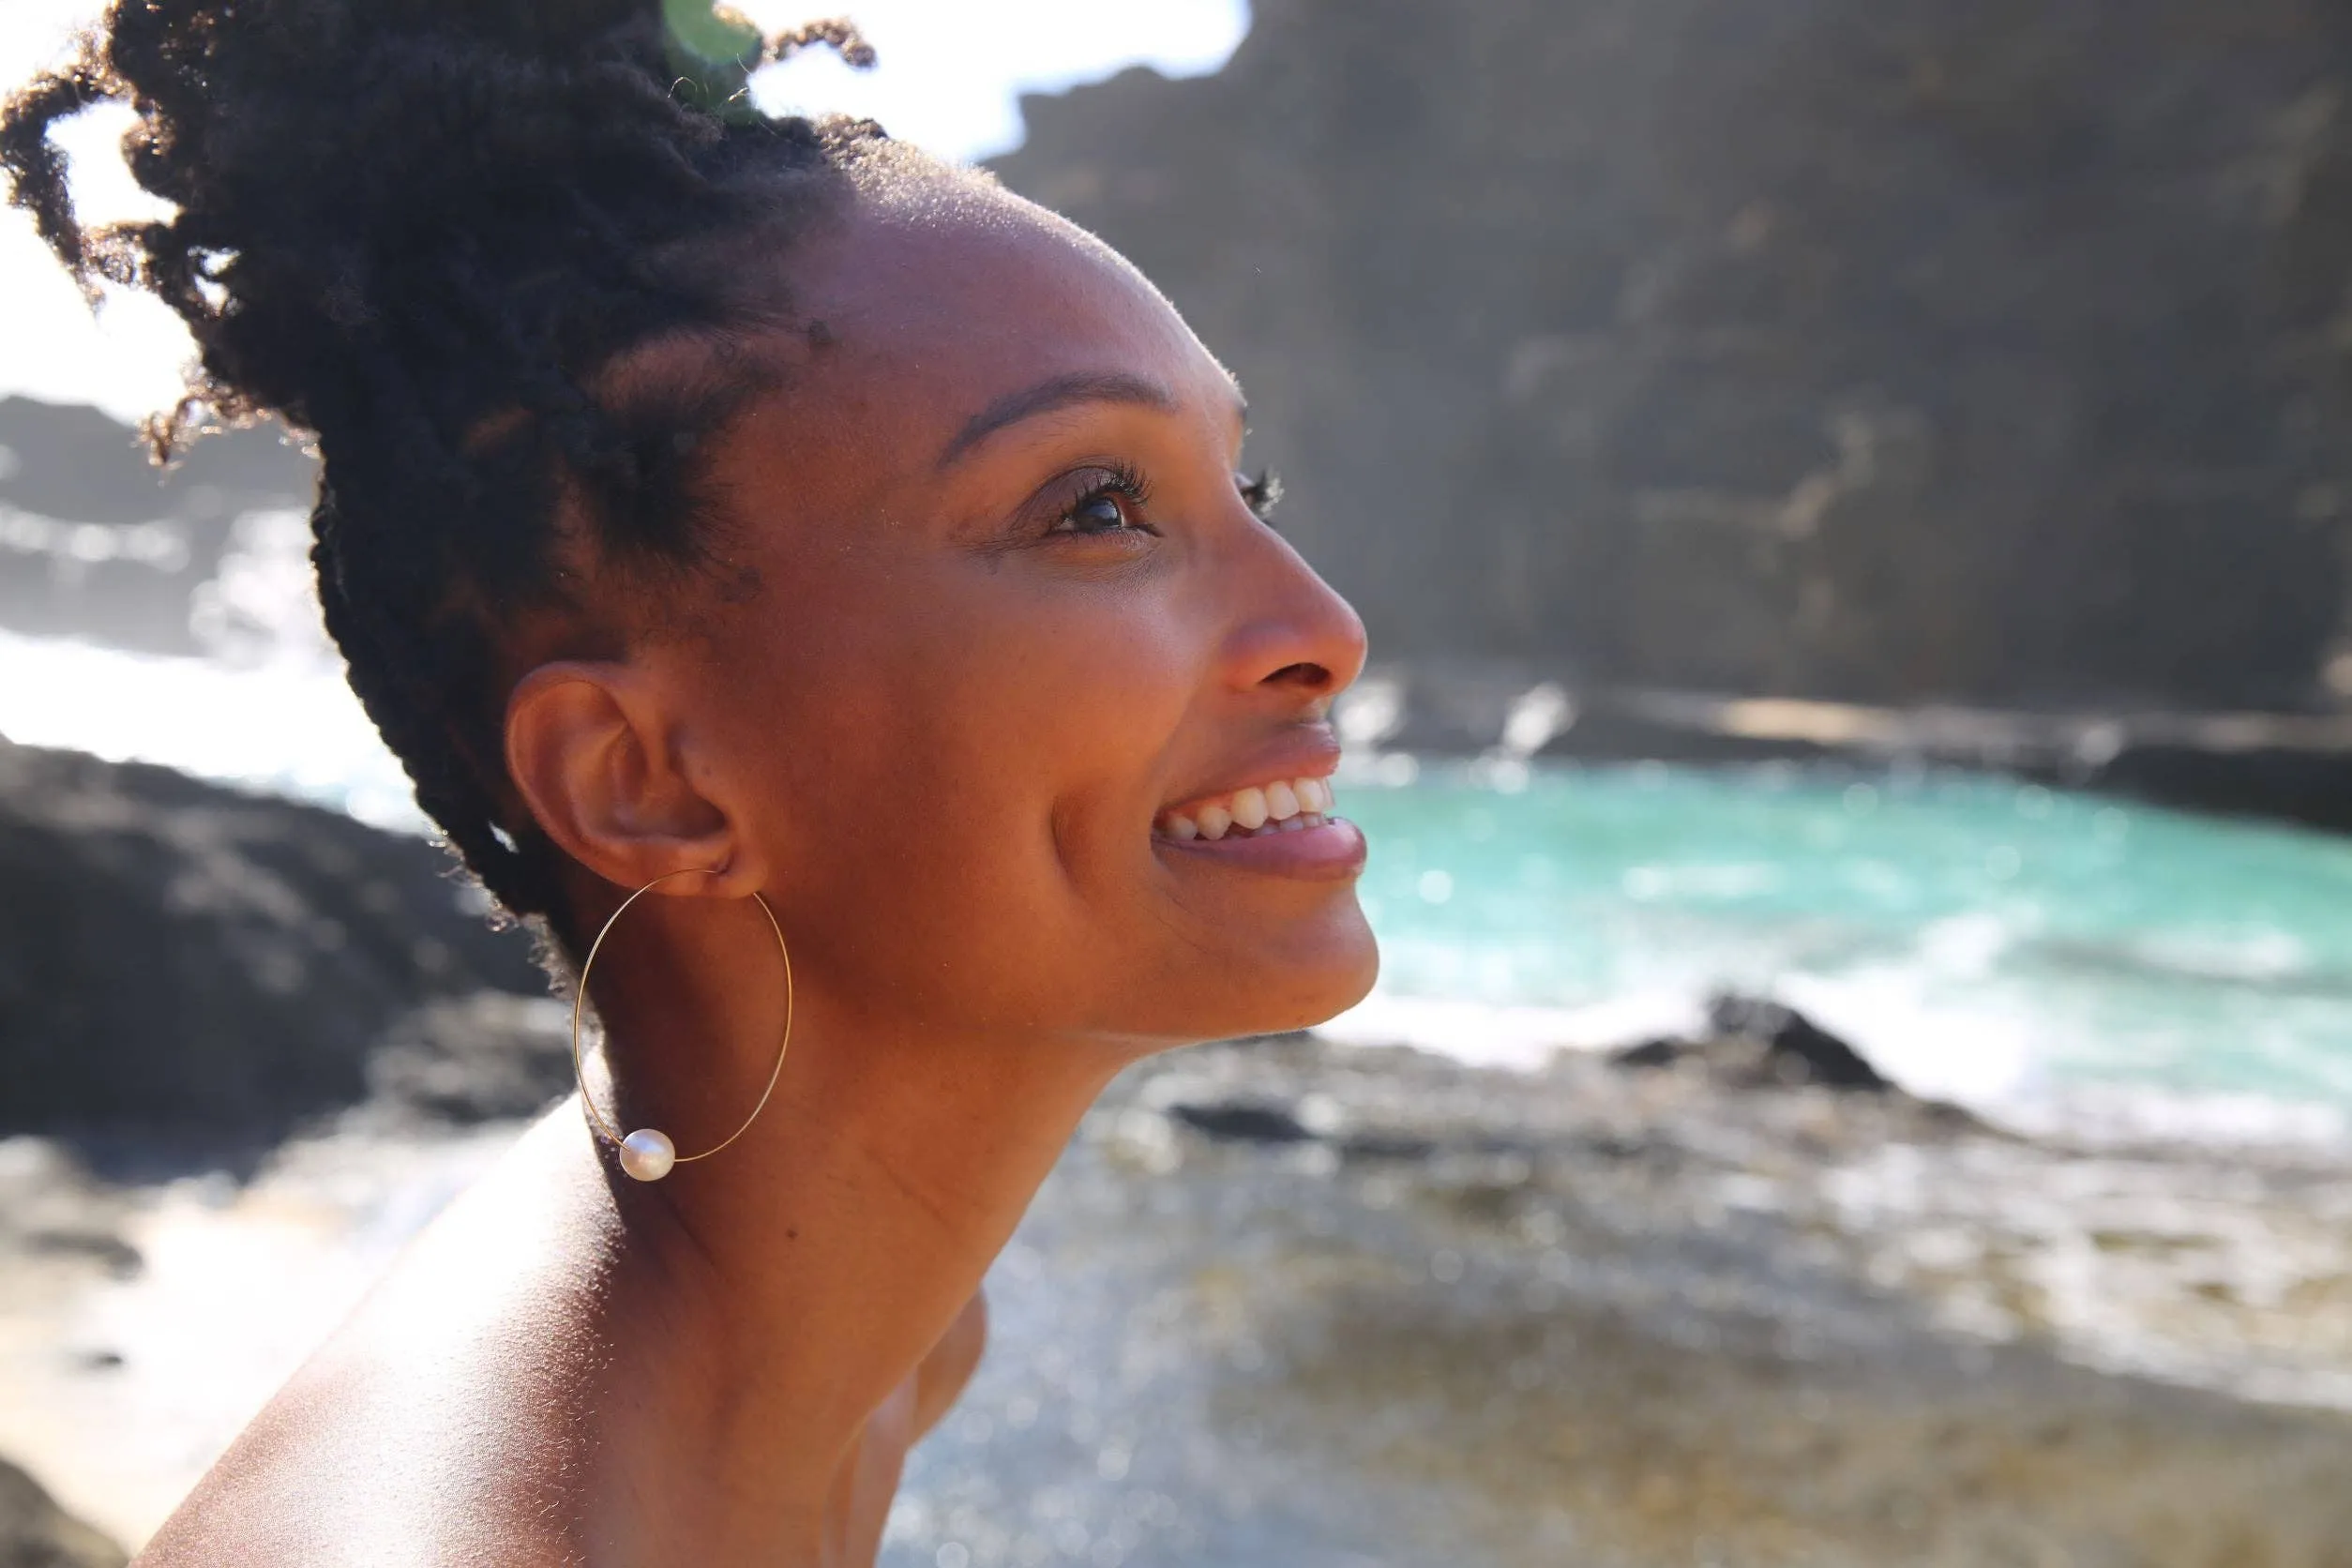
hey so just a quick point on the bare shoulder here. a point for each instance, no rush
(332, 1473)
(412, 1437)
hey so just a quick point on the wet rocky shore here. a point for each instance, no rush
(1374, 1307)
(1293, 1304)
(1731, 1300)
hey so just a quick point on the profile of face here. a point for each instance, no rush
(999, 646)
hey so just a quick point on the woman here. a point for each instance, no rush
(721, 506)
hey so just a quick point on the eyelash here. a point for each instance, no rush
(1261, 492)
(1122, 480)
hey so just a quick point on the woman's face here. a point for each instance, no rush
(1001, 612)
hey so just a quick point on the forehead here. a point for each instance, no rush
(925, 308)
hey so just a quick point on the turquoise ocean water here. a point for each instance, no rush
(2000, 942)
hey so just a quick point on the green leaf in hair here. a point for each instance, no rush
(713, 49)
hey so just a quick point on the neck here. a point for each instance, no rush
(760, 1305)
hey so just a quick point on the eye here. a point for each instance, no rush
(1103, 512)
(1111, 502)
(1261, 495)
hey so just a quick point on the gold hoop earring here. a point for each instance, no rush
(647, 1154)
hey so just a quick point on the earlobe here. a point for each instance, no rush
(591, 752)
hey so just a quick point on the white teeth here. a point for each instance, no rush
(1284, 806)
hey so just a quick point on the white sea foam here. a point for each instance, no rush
(2126, 1114)
(1987, 1060)
(1488, 1034)
(287, 727)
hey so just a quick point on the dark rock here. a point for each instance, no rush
(1661, 1052)
(1796, 1050)
(479, 1058)
(36, 1533)
(1386, 1146)
(1872, 349)
(1763, 1044)
(103, 1248)
(1242, 1121)
(174, 956)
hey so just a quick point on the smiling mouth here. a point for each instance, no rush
(1259, 811)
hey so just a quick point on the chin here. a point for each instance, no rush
(1313, 981)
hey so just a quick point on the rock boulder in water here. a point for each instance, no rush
(1796, 1050)
(1755, 1043)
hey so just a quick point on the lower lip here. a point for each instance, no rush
(1332, 852)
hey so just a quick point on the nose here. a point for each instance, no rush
(1295, 636)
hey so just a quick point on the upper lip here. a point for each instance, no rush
(1312, 753)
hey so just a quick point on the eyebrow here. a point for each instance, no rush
(1049, 397)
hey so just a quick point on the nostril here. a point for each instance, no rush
(1313, 676)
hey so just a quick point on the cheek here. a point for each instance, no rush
(955, 769)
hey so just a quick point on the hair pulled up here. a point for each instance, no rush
(416, 229)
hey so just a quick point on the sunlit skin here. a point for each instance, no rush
(929, 699)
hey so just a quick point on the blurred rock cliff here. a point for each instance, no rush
(1882, 350)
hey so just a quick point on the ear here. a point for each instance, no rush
(592, 752)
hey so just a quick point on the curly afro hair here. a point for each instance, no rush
(416, 230)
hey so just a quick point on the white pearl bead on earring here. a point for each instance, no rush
(647, 1154)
